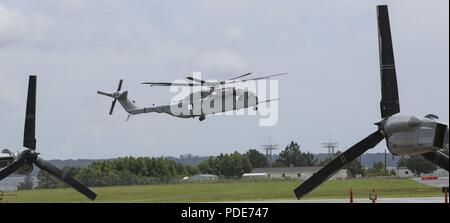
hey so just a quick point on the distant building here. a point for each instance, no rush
(256, 176)
(390, 168)
(202, 177)
(404, 172)
(300, 173)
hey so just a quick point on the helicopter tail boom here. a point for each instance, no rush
(123, 99)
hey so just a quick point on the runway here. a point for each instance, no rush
(441, 182)
(380, 200)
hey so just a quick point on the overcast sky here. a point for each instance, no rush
(329, 48)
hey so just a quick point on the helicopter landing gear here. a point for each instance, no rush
(201, 118)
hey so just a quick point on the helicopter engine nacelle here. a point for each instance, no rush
(401, 124)
(409, 135)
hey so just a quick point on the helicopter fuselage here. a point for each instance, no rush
(217, 101)
(199, 104)
(410, 135)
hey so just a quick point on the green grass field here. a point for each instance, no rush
(231, 191)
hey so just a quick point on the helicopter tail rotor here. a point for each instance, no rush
(122, 97)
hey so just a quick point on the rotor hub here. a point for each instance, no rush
(29, 155)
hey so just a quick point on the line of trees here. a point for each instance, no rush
(417, 164)
(130, 170)
(232, 165)
(293, 156)
(257, 159)
(122, 171)
(145, 170)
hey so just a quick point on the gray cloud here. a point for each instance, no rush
(329, 48)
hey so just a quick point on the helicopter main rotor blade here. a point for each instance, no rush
(241, 76)
(266, 77)
(55, 171)
(234, 81)
(29, 136)
(389, 104)
(339, 162)
(13, 167)
(211, 84)
(196, 80)
(165, 84)
(254, 79)
(439, 158)
(215, 82)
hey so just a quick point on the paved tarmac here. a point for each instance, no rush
(380, 200)
(440, 182)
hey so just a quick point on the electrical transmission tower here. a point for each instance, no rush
(330, 146)
(269, 148)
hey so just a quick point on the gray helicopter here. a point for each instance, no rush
(212, 97)
(404, 135)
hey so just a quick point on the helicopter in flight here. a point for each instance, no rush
(404, 135)
(212, 97)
